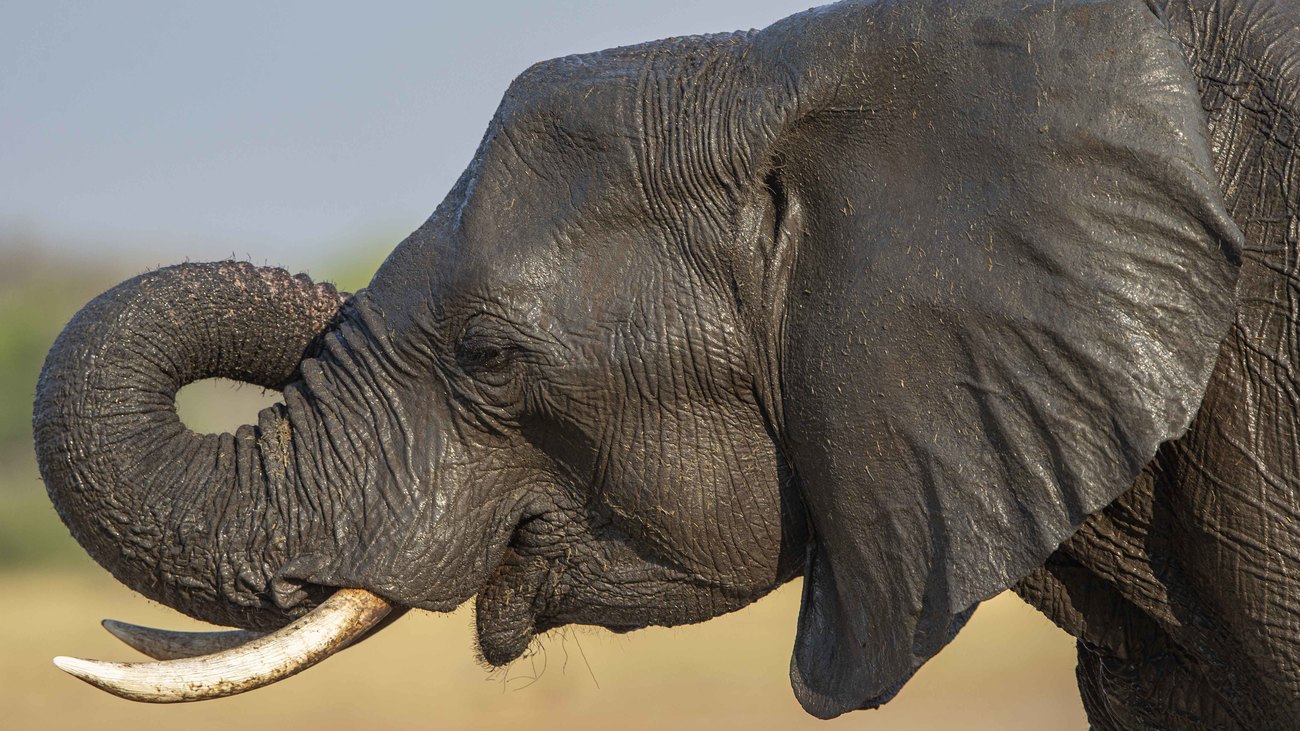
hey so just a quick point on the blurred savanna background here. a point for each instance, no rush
(313, 136)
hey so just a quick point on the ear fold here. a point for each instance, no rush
(1012, 277)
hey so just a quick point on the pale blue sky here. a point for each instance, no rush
(275, 130)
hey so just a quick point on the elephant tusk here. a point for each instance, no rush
(162, 644)
(336, 623)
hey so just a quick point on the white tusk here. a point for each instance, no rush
(162, 644)
(336, 623)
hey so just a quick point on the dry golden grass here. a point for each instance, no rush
(1009, 669)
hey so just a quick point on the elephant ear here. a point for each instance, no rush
(1011, 271)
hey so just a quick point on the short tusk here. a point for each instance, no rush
(162, 644)
(328, 628)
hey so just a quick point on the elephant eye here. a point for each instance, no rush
(488, 356)
(477, 353)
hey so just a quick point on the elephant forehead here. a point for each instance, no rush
(545, 176)
(525, 188)
(544, 270)
(657, 117)
(562, 117)
(582, 100)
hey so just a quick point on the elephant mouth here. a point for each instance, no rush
(565, 567)
(528, 591)
(560, 567)
(527, 596)
(512, 607)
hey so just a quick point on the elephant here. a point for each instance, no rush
(918, 300)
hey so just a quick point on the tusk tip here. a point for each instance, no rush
(136, 637)
(75, 666)
(120, 630)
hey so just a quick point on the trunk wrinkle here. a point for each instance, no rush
(196, 521)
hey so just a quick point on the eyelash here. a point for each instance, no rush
(474, 355)
(488, 362)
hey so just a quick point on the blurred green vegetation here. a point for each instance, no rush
(39, 293)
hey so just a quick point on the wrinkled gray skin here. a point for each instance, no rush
(896, 296)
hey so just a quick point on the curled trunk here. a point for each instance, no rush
(200, 522)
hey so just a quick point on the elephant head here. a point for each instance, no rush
(891, 294)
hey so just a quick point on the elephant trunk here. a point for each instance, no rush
(200, 522)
